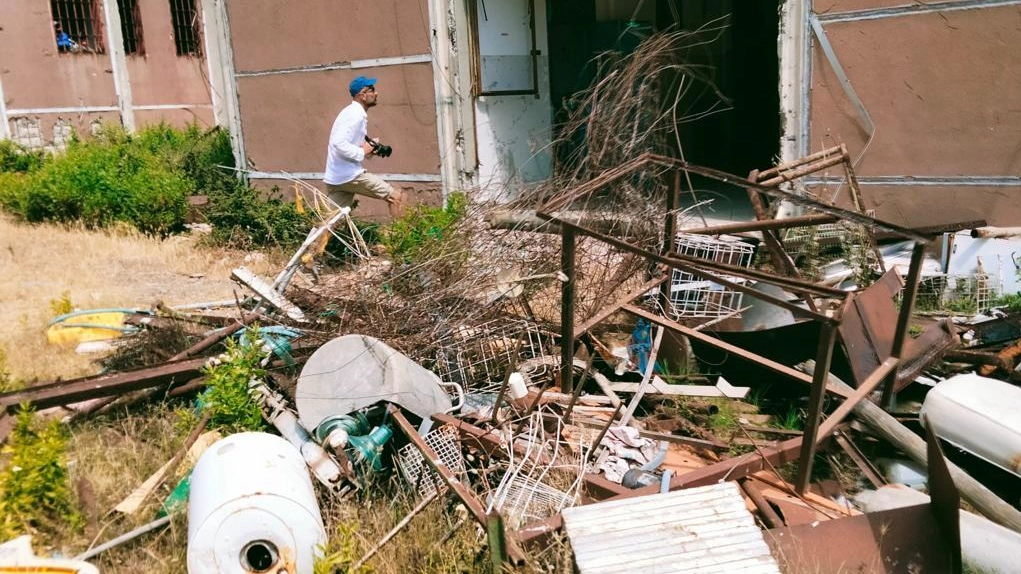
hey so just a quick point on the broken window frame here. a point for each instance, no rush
(131, 27)
(82, 22)
(186, 20)
(478, 62)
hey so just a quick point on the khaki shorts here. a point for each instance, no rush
(365, 184)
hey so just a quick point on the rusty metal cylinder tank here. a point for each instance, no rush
(252, 509)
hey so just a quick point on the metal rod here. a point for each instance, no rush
(396, 529)
(742, 353)
(126, 537)
(650, 367)
(615, 306)
(854, 453)
(578, 389)
(769, 516)
(766, 173)
(907, 306)
(602, 434)
(824, 353)
(511, 366)
(567, 309)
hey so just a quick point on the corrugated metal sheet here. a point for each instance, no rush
(697, 530)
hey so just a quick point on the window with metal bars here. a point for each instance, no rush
(131, 27)
(187, 26)
(77, 26)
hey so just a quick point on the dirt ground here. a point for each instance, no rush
(45, 267)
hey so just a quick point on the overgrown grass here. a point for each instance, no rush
(423, 230)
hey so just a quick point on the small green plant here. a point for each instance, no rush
(35, 493)
(241, 218)
(915, 331)
(1011, 302)
(230, 396)
(7, 382)
(62, 305)
(793, 419)
(422, 229)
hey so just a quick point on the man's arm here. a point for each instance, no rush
(345, 130)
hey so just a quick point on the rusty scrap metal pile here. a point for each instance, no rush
(530, 377)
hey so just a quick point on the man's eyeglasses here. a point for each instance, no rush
(369, 89)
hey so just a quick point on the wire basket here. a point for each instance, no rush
(416, 471)
(477, 357)
(695, 296)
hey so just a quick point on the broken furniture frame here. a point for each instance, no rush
(885, 373)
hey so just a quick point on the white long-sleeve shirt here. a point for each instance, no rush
(345, 154)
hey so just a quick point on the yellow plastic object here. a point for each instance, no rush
(79, 328)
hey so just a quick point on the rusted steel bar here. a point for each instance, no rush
(824, 353)
(996, 232)
(977, 358)
(860, 394)
(487, 440)
(65, 392)
(907, 307)
(615, 306)
(801, 171)
(217, 336)
(511, 366)
(798, 162)
(578, 389)
(854, 453)
(602, 433)
(742, 353)
(469, 499)
(1005, 358)
(765, 224)
(567, 309)
(769, 516)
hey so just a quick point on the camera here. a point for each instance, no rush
(382, 150)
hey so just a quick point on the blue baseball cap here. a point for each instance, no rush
(359, 83)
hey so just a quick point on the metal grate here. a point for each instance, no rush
(694, 296)
(424, 479)
(187, 26)
(131, 27)
(77, 26)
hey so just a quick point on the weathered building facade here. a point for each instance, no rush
(925, 95)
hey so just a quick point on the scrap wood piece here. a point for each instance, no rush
(264, 290)
(193, 449)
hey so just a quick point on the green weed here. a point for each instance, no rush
(230, 397)
(423, 229)
(35, 494)
(62, 305)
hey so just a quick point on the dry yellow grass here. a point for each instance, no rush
(41, 264)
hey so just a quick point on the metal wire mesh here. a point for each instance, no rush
(477, 357)
(957, 293)
(187, 26)
(693, 296)
(131, 27)
(419, 475)
(524, 499)
(77, 26)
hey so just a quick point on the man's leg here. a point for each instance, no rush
(371, 185)
(339, 195)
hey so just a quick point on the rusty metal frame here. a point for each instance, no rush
(765, 183)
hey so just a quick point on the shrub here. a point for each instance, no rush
(17, 159)
(34, 489)
(419, 231)
(242, 219)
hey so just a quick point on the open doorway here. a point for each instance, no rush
(741, 60)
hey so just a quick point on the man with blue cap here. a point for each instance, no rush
(345, 177)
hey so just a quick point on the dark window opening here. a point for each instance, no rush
(77, 26)
(187, 27)
(131, 27)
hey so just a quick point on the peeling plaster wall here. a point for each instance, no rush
(513, 131)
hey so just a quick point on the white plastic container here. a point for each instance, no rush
(979, 415)
(252, 509)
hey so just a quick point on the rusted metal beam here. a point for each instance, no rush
(824, 353)
(769, 516)
(742, 353)
(65, 392)
(798, 162)
(764, 224)
(567, 244)
(466, 496)
(907, 307)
